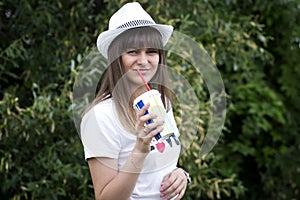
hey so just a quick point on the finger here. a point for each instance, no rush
(174, 189)
(174, 183)
(168, 180)
(150, 133)
(155, 131)
(182, 191)
(180, 195)
(147, 117)
(177, 193)
(165, 178)
(143, 110)
(166, 187)
(154, 125)
(144, 119)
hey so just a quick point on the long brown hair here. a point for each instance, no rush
(115, 85)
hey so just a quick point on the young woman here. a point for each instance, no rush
(125, 160)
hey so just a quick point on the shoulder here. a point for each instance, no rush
(101, 116)
(104, 110)
(99, 121)
(105, 106)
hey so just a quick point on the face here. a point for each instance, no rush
(145, 59)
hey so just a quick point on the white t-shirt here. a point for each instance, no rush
(102, 135)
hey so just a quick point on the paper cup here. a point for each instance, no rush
(157, 107)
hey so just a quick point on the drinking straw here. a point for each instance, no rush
(144, 81)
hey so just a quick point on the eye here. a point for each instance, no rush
(132, 52)
(152, 51)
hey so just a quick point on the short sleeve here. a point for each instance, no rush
(98, 136)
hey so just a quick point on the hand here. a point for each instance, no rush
(173, 185)
(146, 133)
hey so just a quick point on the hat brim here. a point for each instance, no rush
(105, 38)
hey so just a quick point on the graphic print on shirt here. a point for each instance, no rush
(160, 146)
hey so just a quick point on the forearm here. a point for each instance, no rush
(122, 185)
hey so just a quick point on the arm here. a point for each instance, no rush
(111, 184)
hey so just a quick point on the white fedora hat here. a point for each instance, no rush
(131, 15)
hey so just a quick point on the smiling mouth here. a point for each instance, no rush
(142, 70)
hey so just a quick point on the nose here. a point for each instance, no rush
(142, 58)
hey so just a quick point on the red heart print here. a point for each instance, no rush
(160, 146)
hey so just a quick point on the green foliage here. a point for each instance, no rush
(265, 105)
(38, 159)
(255, 45)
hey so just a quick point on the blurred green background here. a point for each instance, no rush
(255, 45)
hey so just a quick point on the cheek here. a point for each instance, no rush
(126, 63)
(155, 60)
